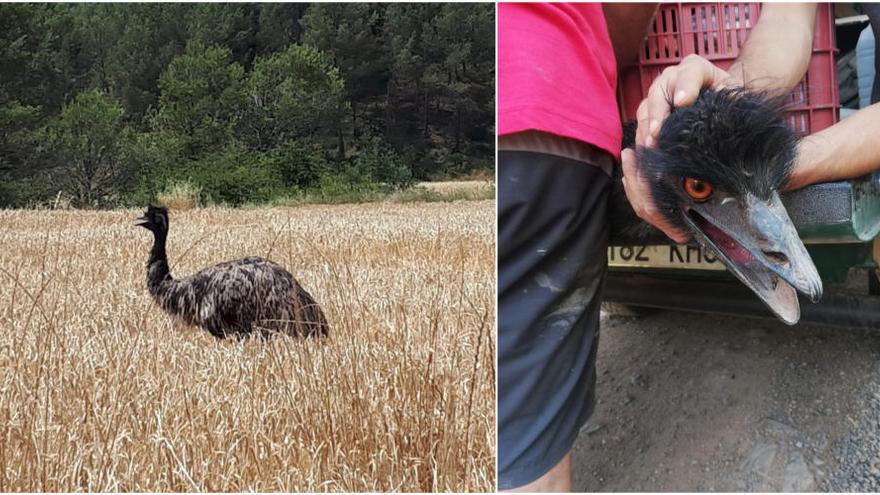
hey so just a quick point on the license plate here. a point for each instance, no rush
(675, 256)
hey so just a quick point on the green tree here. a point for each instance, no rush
(202, 98)
(231, 25)
(33, 64)
(441, 96)
(354, 35)
(86, 147)
(145, 39)
(289, 92)
(279, 26)
(293, 94)
(30, 88)
(465, 39)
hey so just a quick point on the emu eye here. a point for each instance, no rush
(697, 189)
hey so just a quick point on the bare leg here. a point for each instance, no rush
(557, 479)
(546, 386)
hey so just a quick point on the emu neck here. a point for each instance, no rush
(157, 265)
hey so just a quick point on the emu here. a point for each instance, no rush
(716, 173)
(231, 298)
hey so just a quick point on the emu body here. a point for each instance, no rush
(735, 147)
(232, 298)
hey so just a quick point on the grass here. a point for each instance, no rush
(180, 196)
(424, 192)
(470, 190)
(100, 392)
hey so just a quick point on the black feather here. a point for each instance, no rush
(735, 139)
(232, 298)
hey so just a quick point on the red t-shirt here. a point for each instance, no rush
(557, 73)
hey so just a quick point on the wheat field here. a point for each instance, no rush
(100, 391)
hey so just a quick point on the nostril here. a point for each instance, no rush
(776, 257)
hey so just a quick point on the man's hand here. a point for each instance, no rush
(775, 57)
(638, 192)
(678, 86)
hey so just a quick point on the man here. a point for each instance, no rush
(559, 136)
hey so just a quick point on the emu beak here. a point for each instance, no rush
(141, 221)
(757, 241)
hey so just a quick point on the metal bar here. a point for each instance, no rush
(732, 298)
(846, 211)
(854, 19)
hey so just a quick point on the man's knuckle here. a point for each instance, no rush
(642, 111)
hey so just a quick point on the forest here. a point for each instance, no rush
(110, 104)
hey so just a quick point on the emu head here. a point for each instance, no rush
(155, 220)
(716, 172)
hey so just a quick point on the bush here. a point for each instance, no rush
(343, 188)
(159, 157)
(380, 163)
(234, 176)
(242, 184)
(299, 165)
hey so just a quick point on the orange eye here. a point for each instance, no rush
(697, 189)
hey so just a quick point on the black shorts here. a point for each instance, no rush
(552, 245)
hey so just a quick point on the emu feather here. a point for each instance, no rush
(232, 298)
(736, 143)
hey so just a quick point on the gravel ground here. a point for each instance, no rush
(691, 402)
(858, 468)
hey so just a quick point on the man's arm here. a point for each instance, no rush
(845, 150)
(775, 57)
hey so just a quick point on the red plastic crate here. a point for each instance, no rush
(717, 31)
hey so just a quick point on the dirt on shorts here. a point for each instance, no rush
(692, 402)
